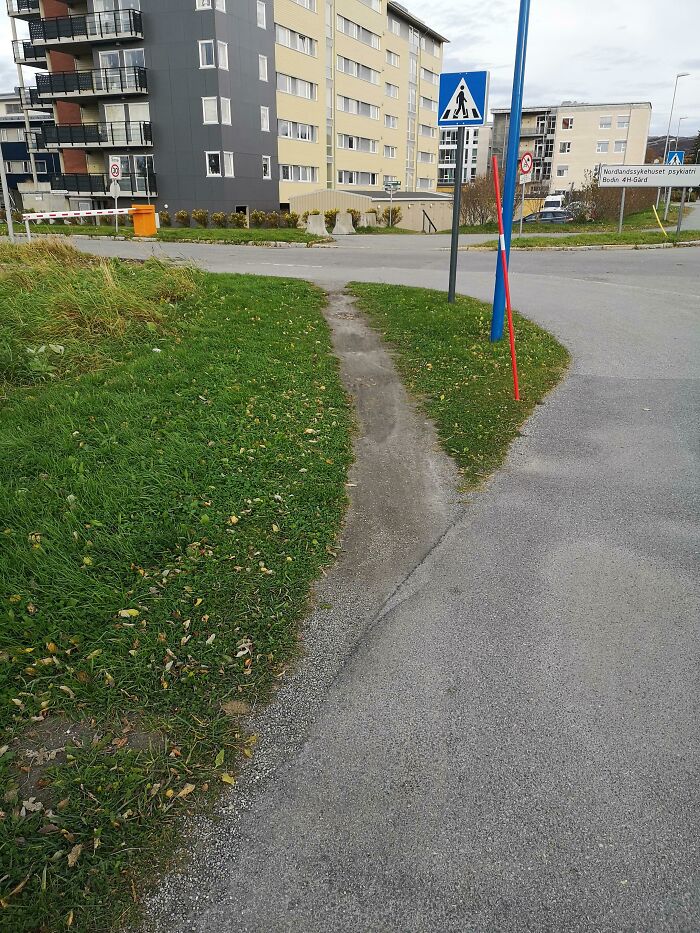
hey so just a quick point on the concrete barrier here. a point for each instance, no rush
(368, 219)
(316, 224)
(343, 224)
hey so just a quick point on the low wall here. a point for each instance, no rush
(440, 211)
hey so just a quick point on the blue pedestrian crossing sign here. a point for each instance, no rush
(675, 157)
(463, 98)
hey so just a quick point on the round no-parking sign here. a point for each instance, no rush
(526, 163)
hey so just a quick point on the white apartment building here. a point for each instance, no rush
(477, 145)
(572, 139)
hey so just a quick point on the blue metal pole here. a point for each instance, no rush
(516, 106)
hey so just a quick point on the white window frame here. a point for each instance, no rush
(228, 165)
(605, 123)
(207, 101)
(211, 152)
(261, 14)
(211, 43)
(620, 146)
(391, 90)
(264, 119)
(225, 103)
(222, 55)
(562, 171)
(564, 147)
(262, 67)
(623, 123)
(267, 168)
(389, 152)
(603, 145)
(570, 121)
(391, 122)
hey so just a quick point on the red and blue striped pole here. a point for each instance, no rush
(504, 271)
(516, 107)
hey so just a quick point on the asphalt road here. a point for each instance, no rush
(512, 745)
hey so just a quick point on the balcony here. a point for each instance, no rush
(62, 31)
(98, 82)
(25, 9)
(27, 54)
(139, 186)
(96, 135)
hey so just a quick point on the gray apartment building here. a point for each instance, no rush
(165, 86)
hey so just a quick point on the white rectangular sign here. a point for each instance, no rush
(526, 179)
(115, 169)
(649, 176)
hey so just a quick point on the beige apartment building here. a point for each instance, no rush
(570, 140)
(357, 96)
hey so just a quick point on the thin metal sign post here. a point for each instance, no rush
(456, 211)
(622, 210)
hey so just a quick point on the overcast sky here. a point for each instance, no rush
(587, 50)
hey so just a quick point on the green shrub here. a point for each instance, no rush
(355, 214)
(257, 218)
(330, 217)
(391, 216)
(237, 219)
(183, 218)
(272, 219)
(165, 219)
(218, 218)
(201, 216)
(292, 219)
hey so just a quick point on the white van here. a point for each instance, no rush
(555, 202)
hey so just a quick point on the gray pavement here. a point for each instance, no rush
(511, 744)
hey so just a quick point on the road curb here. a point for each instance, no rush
(574, 249)
(273, 244)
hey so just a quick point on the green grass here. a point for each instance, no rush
(463, 381)
(631, 238)
(164, 516)
(374, 231)
(640, 221)
(176, 234)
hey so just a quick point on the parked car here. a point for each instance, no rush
(549, 217)
(553, 202)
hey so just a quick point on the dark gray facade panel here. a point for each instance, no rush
(176, 86)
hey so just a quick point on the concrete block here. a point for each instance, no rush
(343, 224)
(368, 220)
(316, 224)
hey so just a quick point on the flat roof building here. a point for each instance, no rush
(569, 140)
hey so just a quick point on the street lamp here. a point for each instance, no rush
(681, 74)
(678, 129)
(4, 191)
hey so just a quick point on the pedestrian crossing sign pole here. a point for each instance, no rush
(463, 101)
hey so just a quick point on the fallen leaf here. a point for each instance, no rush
(128, 613)
(74, 855)
(67, 690)
(210, 640)
(198, 601)
(187, 789)
(228, 778)
(219, 760)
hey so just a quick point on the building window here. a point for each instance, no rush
(567, 123)
(359, 143)
(426, 156)
(391, 122)
(40, 167)
(357, 70)
(228, 164)
(425, 183)
(355, 31)
(296, 86)
(429, 104)
(430, 131)
(210, 110)
(429, 76)
(206, 53)
(391, 90)
(222, 50)
(602, 145)
(307, 4)
(623, 123)
(261, 14)
(564, 147)
(294, 40)
(288, 129)
(562, 170)
(388, 179)
(205, 5)
(213, 164)
(605, 123)
(373, 4)
(356, 178)
(359, 107)
(267, 166)
(308, 173)
(394, 25)
(262, 67)
(620, 145)
(389, 152)
(392, 58)
(265, 119)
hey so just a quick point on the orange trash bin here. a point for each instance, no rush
(144, 219)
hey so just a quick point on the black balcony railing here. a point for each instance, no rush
(22, 7)
(116, 24)
(95, 83)
(131, 185)
(97, 134)
(27, 54)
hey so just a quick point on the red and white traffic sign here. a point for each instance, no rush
(115, 169)
(526, 163)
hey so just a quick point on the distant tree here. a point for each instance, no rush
(694, 153)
